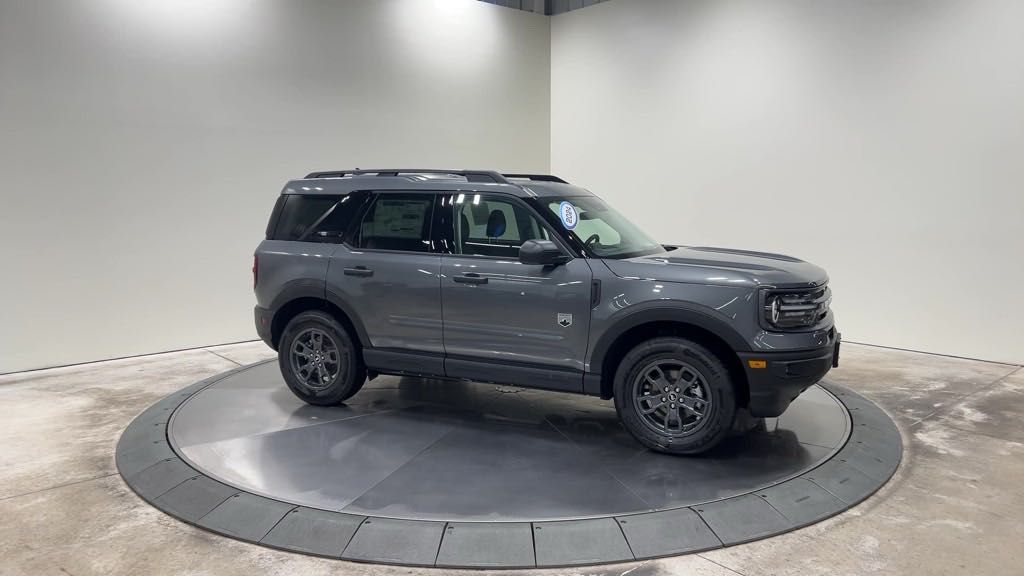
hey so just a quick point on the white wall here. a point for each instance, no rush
(142, 144)
(881, 140)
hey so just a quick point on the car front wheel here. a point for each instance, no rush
(318, 359)
(675, 396)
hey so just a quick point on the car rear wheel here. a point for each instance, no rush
(318, 359)
(675, 396)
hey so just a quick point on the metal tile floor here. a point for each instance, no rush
(454, 474)
(454, 451)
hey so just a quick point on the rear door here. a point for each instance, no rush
(388, 273)
(505, 321)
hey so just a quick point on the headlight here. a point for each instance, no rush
(796, 309)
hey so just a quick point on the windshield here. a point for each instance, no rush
(604, 232)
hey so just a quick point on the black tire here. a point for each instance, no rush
(702, 385)
(337, 377)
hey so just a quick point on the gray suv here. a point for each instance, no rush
(524, 279)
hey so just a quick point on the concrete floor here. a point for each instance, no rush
(955, 505)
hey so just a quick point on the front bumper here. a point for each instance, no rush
(264, 321)
(785, 376)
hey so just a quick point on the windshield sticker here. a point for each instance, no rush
(567, 212)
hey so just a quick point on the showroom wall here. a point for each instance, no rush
(142, 145)
(881, 140)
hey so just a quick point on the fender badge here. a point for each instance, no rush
(564, 320)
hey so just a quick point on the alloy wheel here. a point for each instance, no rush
(672, 397)
(315, 359)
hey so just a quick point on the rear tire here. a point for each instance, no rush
(319, 360)
(675, 396)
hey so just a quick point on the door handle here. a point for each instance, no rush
(470, 278)
(361, 271)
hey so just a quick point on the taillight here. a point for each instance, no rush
(255, 270)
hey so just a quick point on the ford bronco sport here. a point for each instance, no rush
(526, 280)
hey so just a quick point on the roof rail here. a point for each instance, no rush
(470, 175)
(537, 177)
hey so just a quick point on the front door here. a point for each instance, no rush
(505, 321)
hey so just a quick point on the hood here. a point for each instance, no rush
(725, 266)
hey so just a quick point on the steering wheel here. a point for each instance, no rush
(594, 238)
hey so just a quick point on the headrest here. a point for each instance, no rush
(496, 224)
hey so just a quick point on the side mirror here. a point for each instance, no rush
(542, 252)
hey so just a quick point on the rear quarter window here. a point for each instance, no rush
(312, 218)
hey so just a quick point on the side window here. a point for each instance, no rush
(299, 213)
(493, 226)
(397, 222)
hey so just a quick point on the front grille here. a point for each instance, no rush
(796, 309)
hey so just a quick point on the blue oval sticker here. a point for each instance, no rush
(567, 213)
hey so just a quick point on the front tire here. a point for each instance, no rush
(318, 359)
(675, 396)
